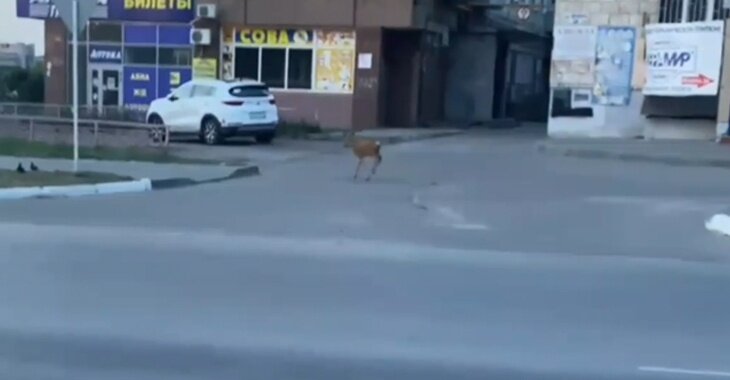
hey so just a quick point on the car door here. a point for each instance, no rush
(176, 111)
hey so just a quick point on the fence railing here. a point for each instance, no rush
(111, 113)
(37, 116)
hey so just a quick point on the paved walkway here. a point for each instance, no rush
(149, 170)
(682, 153)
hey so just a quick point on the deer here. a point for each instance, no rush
(364, 148)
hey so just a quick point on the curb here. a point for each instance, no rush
(393, 140)
(176, 183)
(719, 223)
(632, 157)
(136, 186)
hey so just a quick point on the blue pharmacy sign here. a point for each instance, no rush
(140, 86)
(108, 54)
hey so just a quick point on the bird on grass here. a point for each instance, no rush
(20, 169)
(33, 166)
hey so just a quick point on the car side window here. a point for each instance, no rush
(203, 91)
(184, 91)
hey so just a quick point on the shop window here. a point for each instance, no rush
(299, 75)
(247, 63)
(140, 55)
(175, 56)
(105, 32)
(273, 62)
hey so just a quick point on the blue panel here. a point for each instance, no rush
(140, 86)
(169, 79)
(140, 34)
(152, 11)
(175, 35)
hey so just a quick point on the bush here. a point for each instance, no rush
(22, 85)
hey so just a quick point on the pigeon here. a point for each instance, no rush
(33, 167)
(20, 168)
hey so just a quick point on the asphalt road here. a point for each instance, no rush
(302, 274)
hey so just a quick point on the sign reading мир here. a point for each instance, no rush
(275, 37)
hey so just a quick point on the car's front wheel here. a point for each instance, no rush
(210, 131)
(157, 131)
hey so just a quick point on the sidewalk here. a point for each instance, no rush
(391, 135)
(669, 152)
(153, 171)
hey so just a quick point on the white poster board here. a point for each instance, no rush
(684, 59)
(574, 55)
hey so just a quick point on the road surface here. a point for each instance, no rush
(467, 258)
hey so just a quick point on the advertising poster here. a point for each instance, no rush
(684, 59)
(205, 68)
(335, 66)
(169, 79)
(275, 37)
(615, 48)
(574, 54)
(140, 86)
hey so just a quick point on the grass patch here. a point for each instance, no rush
(24, 148)
(11, 178)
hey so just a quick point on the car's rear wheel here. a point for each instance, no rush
(157, 131)
(265, 138)
(210, 131)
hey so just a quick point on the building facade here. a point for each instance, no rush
(639, 68)
(331, 63)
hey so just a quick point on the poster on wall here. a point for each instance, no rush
(335, 66)
(574, 52)
(615, 48)
(205, 68)
(169, 79)
(140, 86)
(684, 59)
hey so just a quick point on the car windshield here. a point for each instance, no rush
(249, 91)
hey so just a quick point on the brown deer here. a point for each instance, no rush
(364, 148)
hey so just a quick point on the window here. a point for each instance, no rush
(273, 62)
(249, 91)
(184, 91)
(175, 56)
(105, 32)
(247, 63)
(299, 74)
(274, 71)
(140, 55)
(692, 10)
(200, 91)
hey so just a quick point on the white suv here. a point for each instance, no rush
(215, 109)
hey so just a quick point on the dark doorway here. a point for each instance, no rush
(401, 57)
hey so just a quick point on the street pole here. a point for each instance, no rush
(75, 32)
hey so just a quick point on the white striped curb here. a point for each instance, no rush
(719, 223)
(136, 186)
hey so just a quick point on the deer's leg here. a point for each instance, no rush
(376, 163)
(357, 170)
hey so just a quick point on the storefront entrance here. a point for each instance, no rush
(105, 87)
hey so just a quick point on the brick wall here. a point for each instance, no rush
(607, 12)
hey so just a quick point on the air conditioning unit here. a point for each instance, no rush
(205, 11)
(200, 36)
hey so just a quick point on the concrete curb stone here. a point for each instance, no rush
(567, 151)
(174, 183)
(135, 186)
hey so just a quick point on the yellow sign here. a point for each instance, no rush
(331, 39)
(335, 68)
(205, 68)
(175, 78)
(181, 5)
(274, 37)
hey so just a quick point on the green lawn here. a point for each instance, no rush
(24, 148)
(11, 178)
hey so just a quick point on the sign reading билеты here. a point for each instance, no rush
(152, 10)
(683, 59)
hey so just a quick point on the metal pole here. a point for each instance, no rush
(75, 33)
